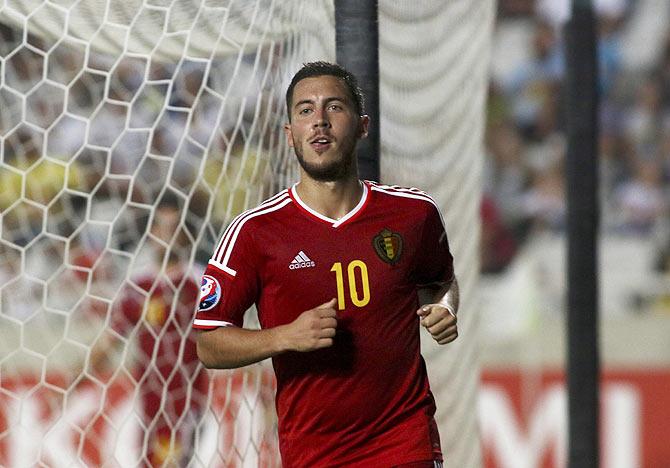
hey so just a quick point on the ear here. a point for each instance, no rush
(363, 126)
(289, 134)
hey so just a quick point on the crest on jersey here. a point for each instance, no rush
(388, 245)
(210, 293)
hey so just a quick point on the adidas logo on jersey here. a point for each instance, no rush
(301, 261)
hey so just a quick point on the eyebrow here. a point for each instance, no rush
(328, 100)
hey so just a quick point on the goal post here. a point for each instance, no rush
(131, 134)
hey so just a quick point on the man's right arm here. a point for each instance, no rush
(231, 347)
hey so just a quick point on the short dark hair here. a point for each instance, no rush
(312, 69)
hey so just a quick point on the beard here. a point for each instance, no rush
(331, 172)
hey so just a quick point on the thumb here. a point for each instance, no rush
(328, 305)
(423, 311)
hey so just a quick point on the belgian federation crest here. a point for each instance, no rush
(210, 293)
(388, 245)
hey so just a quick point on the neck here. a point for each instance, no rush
(333, 199)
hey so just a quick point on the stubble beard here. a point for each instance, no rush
(333, 172)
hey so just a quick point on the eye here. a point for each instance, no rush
(335, 107)
(304, 111)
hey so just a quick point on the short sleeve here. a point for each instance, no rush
(229, 286)
(434, 263)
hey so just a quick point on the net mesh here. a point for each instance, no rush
(434, 59)
(131, 133)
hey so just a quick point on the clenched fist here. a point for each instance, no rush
(313, 329)
(440, 322)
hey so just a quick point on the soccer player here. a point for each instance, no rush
(156, 309)
(172, 384)
(335, 266)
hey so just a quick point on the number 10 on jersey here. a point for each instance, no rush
(354, 269)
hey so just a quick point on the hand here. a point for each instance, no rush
(313, 329)
(440, 322)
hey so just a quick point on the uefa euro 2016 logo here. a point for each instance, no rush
(210, 293)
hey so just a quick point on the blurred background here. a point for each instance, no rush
(525, 143)
(129, 142)
(523, 251)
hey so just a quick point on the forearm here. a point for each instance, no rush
(232, 347)
(447, 295)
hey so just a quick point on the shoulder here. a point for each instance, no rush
(242, 229)
(254, 218)
(407, 197)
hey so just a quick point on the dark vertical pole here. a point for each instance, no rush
(582, 230)
(357, 44)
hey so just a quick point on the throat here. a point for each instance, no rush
(334, 202)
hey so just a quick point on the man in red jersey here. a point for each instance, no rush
(156, 309)
(335, 266)
(172, 385)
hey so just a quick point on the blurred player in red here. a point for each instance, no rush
(335, 266)
(156, 310)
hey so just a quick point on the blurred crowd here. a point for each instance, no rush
(524, 189)
(93, 145)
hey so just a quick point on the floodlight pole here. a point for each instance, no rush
(583, 368)
(357, 49)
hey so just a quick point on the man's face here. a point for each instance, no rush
(325, 128)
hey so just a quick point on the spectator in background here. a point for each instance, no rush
(506, 175)
(609, 52)
(612, 163)
(640, 201)
(533, 88)
(642, 119)
(544, 201)
(497, 243)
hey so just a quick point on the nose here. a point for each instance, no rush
(321, 120)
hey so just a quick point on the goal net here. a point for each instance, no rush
(131, 133)
(434, 61)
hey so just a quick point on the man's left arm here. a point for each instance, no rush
(438, 311)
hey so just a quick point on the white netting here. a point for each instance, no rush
(131, 132)
(434, 68)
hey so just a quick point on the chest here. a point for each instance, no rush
(363, 264)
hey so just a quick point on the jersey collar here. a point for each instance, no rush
(333, 222)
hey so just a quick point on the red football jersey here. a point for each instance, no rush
(172, 383)
(365, 401)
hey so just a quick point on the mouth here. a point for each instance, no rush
(320, 143)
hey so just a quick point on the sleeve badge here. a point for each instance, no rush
(210, 293)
